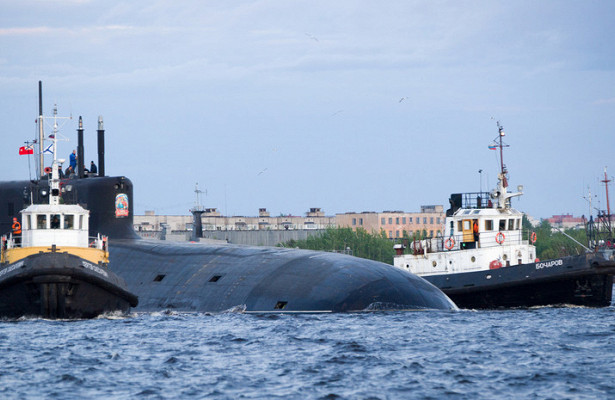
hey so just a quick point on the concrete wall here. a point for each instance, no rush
(252, 238)
(261, 238)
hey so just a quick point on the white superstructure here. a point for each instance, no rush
(481, 231)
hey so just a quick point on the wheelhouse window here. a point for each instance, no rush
(69, 221)
(55, 221)
(80, 222)
(511, 224)
(488, 224)
(41, 221)
(459, 226)
(502, 225)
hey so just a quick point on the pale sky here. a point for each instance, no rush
(342, 105)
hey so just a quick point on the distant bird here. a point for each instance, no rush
(335, 113)
(402, 99)
(311, 36)
(260, 173)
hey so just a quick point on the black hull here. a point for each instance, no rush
(585, 280)
(58, 286)
(183, 276)
(200, 277)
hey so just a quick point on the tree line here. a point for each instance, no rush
(376, 246)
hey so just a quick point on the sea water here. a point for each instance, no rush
(537, 353)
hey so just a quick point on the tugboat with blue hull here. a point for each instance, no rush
(51, 268)
(484, 260)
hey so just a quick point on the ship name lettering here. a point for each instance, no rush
(549, 264)
(11, 268)
(95, 269)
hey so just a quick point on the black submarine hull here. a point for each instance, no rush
(212, 278)
(60, 286)
(584, 280)
(201, 277)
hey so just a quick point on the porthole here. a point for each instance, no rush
(473, 259)
(434, 263)
(504, 257)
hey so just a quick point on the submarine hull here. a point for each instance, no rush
(60, 286)
(212, 278)
(201, 277)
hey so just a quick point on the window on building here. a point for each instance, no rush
(382, 221)
(354, 221)
(431, 220)
(431, 233)
(403, 220)
(390, 234)
(361, 221)
(396, 234)
(409, 220)
(390, 221)
(397, 220)
(438, 220)
(424, 220)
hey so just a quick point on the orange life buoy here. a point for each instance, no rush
(495, 264)
(500, 238)
(533, 237)
(537, 259)
(47, 170)
(450, 243)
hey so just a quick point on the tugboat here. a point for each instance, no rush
(51, 268)
(484, 259)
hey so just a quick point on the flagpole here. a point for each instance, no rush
(41, 137)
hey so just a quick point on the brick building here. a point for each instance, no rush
(428, 222)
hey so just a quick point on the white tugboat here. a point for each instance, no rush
(52, 269)
(484, 260)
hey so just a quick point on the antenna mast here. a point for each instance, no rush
(41, 136)
(606, 187)
(501, 146)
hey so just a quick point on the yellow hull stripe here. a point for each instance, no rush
(92, 255)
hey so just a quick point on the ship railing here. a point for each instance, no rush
(98, 242)
(456, 242)
(476, 200)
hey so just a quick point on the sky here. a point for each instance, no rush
(344, 105)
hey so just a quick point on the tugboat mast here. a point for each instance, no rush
(606, 187)
(501, 146)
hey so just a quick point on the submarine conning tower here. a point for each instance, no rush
(109, 199)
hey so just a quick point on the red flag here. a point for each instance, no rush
(23, 150)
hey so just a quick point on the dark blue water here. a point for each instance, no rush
(536, 354)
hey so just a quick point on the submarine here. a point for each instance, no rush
(203, 277)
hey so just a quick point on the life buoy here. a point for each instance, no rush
(500, 238)
(450, 243)
(533, 237)
(47, 170)
(537, 259)
(495, 264)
